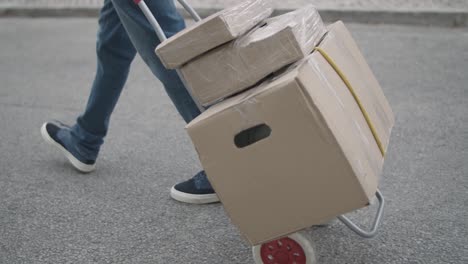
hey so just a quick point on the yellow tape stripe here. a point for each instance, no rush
(358, 101)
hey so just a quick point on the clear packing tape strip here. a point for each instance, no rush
(212, 32)
(353, 93)
(256, 10)
(305, 23)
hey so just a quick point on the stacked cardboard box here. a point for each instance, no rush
(304, 145)
(235, 66)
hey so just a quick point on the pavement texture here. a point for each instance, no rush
(122, 213)
(447, 13)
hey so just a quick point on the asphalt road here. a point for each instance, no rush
(122, 213)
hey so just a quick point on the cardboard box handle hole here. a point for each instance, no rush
(252, 135)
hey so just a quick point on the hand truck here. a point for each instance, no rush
(295, 248)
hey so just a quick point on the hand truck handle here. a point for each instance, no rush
(154, 23)
(190, 10)
(378, 218)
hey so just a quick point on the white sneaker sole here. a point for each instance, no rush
(194, 198)
(82, 167)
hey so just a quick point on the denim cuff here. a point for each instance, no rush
(87, 144)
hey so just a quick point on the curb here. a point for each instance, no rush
(41, 12)
(441, 18)
(417, 18)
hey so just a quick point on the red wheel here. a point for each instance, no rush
(294, 249)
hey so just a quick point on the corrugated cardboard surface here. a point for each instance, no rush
(212, 32)
(240, 64)
(320, 159)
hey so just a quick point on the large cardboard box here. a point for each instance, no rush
(212, 32)
(297, 150)
(240, 64)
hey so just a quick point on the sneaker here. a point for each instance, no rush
(49, 132)
(197, 190)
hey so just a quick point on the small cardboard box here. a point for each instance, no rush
(212, 32)
(240, 64)
(297, 150)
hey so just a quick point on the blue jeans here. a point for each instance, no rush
(124, 30)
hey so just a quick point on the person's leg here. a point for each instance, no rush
(145, 41)
(197, 189)
(115, 54)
